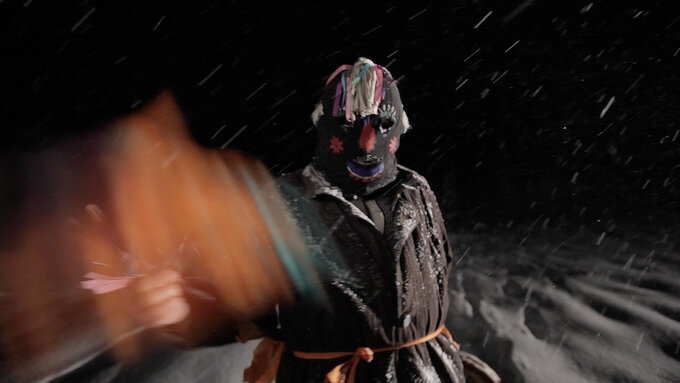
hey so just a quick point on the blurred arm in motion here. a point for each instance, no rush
(208, 246)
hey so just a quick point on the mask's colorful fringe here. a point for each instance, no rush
(359, 90)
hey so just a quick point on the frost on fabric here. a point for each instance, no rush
(430, 213)
(356, 300)
(316, 180)
(420, 250)
(389, 373)
(422, 372)
(405, 218)
(447, 359)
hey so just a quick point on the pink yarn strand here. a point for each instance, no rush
(338, 94)
(335, 73)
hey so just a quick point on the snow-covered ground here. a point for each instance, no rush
(545, 307)
(553, 307)
(202, 365)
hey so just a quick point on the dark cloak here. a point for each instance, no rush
(391, 289)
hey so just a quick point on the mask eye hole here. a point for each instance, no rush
(385, 125)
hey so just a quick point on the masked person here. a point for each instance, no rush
(385, 308)
(384, 321)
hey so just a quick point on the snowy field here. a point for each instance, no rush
(551, 307)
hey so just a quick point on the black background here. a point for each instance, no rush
(507, 133)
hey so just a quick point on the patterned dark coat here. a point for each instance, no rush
(392, 288)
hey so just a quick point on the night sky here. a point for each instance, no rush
(552, 113)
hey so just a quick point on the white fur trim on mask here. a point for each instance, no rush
(404, 121)
(317, 113)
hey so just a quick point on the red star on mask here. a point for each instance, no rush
(336, 145)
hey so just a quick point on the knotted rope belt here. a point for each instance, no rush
(344, 372)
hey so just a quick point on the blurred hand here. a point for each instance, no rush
(159, 299)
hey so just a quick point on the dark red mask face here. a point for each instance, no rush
(359, 156)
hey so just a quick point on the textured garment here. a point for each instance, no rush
(391, 288)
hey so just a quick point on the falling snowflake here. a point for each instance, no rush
(336, 145)
(394, 144)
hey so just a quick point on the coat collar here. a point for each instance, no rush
(316, 183)
(404, 217)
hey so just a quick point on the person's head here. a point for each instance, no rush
(359, 122)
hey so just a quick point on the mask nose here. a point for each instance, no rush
(367, 138)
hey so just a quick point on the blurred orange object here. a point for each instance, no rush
(159, 201)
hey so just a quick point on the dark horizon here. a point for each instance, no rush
(559, 115)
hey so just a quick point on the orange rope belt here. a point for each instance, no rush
(346, 372)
